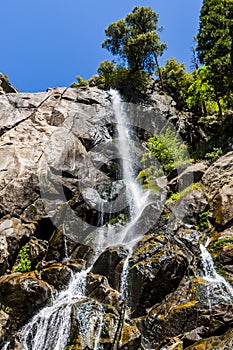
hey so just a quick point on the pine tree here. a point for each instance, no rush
(215, 44)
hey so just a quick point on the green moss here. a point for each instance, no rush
(223, 242)
(6, 309)
(178, 195)
(202, 221)
(24, 258)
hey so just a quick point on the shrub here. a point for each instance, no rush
(80, 82)
(24, 264)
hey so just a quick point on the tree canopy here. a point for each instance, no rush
(135, 39)
(215, 43)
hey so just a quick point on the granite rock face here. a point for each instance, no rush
(57, 163)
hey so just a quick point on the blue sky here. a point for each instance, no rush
(46, 43)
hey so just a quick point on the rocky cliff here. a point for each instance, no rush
(52, 170)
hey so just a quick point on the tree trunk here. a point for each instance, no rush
(159, 71)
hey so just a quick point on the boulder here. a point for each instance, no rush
(189, 206)
(13, 234)
(184, 311)
(107, 263)
(56, 275)
(218, 174)
(155, 270)
(5, 85)
(222, 205)
(99, 289)
(24, 294)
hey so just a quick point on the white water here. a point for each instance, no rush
(136, 197)
(218, 289)
(51, 328)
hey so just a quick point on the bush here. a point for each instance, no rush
(168, 149)
(80, 82)
(24, 258)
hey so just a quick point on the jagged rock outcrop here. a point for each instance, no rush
(5, 85)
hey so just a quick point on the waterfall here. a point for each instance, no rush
(218, 289)
(137, 199)
(51, 328)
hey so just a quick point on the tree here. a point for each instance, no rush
(176, 80)
(135, 40)
(201, 97)
(215, 44)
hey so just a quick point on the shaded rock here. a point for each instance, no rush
(99, 289)
(185, 310)
(5, 85)
(57, 275)
(24, 294)
(107, 263)
(130, 336)
(191, 173)
(155, 270)
(38, 249)
(13, 234)
(189, 206)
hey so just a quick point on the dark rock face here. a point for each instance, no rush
(155, 270)
(108, 262)
(186, 311)
(24, 294)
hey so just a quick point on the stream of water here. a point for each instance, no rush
(218, 289)
(50, 329)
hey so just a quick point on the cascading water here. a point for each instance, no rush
(51, 328)
(218, 289)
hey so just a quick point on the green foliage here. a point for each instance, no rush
(223, 242)
(178, 195)
(24, 264)
(202, 221)
(208, 151)
(80, 82)
(6, 309)
(122, 79)
(176, 80)
(201, 97)
(168, 149)
(135, 39)
(215, 44)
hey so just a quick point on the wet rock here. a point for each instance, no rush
(24, 294)
(130, 336)
(57, 275)
(107, 263)
(13, 234)
(93, 324)
(184, 311)
(155, 270)
(99, 289)
(221, 342)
